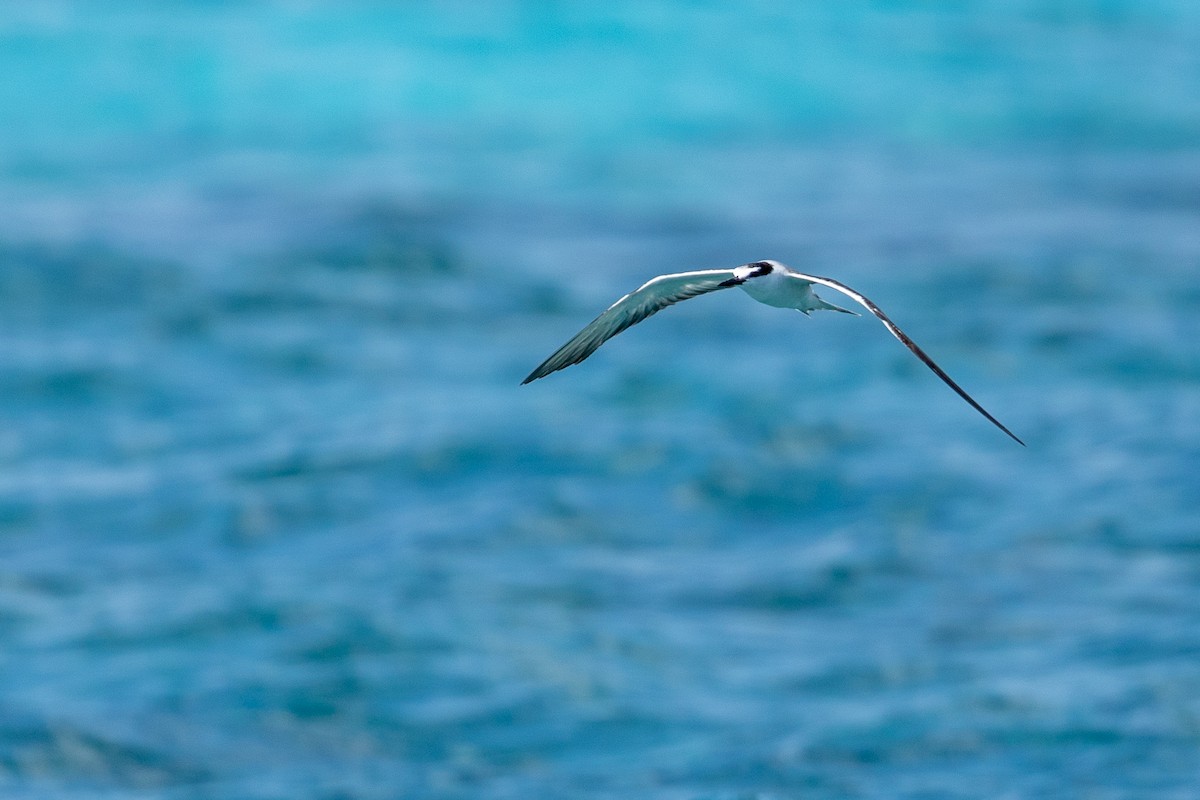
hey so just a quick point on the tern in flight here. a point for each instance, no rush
(767, 282)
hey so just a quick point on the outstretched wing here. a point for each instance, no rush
(652, 297)
(907, 342)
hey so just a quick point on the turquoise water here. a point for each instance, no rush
(277, 521)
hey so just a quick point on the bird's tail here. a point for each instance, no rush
(823, 306)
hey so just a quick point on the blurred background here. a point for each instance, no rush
(277, 520)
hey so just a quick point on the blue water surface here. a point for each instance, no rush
(277, 520)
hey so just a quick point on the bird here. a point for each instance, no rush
(769, 282)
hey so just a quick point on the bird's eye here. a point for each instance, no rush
(761, 268)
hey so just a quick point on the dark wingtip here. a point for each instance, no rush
(993, 420)
(1011, 435)
(536, 374)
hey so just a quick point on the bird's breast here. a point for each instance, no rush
(780, 292)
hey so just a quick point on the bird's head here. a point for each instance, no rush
(759, 268)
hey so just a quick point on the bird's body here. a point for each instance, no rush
(782, 288)
(768, 282)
